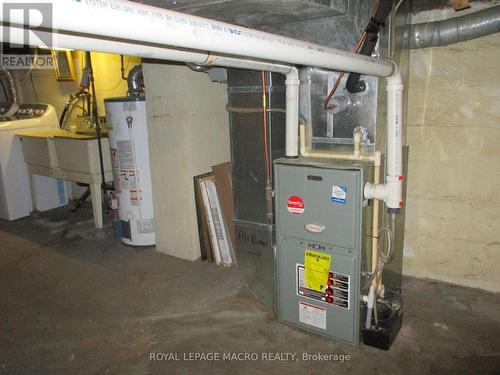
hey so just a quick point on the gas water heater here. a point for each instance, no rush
(128, 140)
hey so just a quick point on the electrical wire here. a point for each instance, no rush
(120, 81)
(383, 259)
(398, 5)
(123, 69)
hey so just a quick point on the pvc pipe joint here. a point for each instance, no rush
(391, 192)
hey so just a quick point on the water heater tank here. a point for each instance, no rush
(128, 140)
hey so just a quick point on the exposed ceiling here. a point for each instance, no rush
(270, 13)
(256, 13)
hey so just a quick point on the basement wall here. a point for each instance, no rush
(453, 205)
(188, 133)
(47, 89)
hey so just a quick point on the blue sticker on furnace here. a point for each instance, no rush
(339, 194)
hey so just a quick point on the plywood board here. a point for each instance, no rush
(223, 182)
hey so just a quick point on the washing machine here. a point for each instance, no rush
(15, 191)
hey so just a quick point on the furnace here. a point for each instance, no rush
(332, 223)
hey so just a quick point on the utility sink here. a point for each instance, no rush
(64, 151)
(80, 154)
(39, 149)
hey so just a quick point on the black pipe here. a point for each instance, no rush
(372, 30)
(122, 68)
(96, 118)
(81, 200)
(63, 114)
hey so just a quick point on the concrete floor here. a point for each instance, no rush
(73, 301)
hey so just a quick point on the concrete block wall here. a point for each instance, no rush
(453, 212)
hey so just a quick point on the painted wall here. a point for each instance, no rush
(46, 89)
(188, 133)
(453, 212)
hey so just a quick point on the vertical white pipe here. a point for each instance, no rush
(292, 113)
(394, 174)
(392, 191)
(370, 303)
(375, 218)
(394, 125)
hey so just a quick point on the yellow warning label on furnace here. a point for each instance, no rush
(317, 266)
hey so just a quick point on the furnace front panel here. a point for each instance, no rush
(320, 209)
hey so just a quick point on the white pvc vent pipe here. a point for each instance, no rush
(392, 191)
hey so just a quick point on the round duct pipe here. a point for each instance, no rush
(135, 81)
(457, 29)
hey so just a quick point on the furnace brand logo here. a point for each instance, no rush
(26, 26)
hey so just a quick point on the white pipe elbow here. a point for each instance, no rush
(395, 81)
(292, 77)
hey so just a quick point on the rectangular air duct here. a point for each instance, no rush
(254, 227)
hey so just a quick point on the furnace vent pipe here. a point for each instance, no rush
(135, 80)
(457, 29)
(391, 192)
(292, 83)
(67, 41)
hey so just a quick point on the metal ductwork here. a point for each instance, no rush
(135, 80)
(454, 30)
